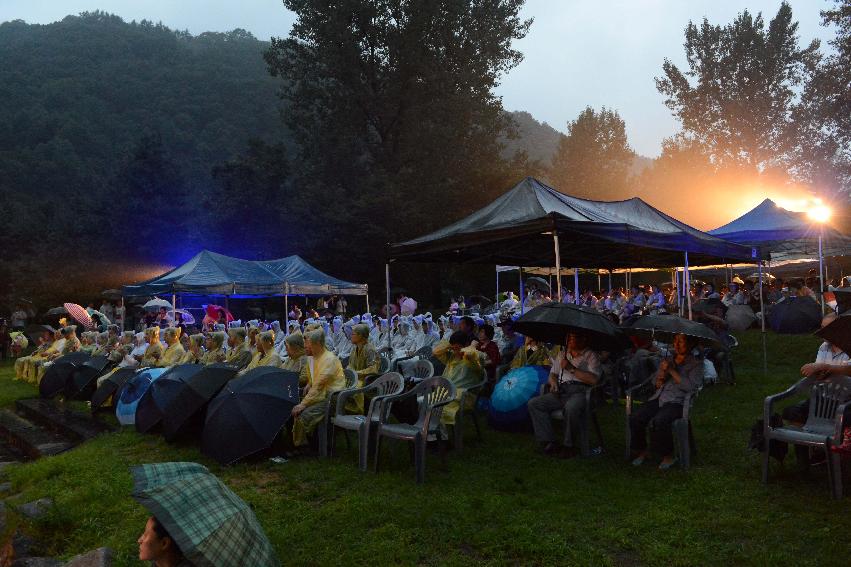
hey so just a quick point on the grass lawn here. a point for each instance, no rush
(497, 503)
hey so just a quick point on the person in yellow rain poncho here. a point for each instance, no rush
(464, 368)
(325, 375)
(87, 340)
(364, 360)
(174, 351)
(25, 365)
(70, 343)
(296, 359)
(532, 354)
(155, 349)
(215, 348)
(266, 355)
(238, 353)
(195, 352)
(101, 344)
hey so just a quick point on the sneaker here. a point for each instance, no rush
(551, 449)
(638, 461)
(663, 466)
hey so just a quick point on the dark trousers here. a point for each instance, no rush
(661, 418)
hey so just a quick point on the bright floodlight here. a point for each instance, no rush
(819, 213)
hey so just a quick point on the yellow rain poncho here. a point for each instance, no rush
(155, 349)
(364, 360)
(325, 375)
(215, 353)
(296, 359)
(194, 354)
(174, 352)
(266, 355)
(464, 369)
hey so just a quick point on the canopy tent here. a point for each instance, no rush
(214, 274)
(519, 228)
(786, 235)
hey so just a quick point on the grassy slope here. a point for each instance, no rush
(497, 503)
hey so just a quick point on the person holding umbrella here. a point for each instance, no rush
(676, 377)
(324, 376)
(574, 370)
(157, 546)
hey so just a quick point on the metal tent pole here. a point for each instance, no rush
(762, 317)
(287, 308)
(522, 299)
(576, 286)
(387, 304)
(610, 281)
(558, 264)
(821, 268)
(599, 282)
(497, 285)
(688, 285)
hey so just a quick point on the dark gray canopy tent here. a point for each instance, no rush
(519, 229)
(535, 225)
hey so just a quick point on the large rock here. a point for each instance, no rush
(100, 557)
(37, 508)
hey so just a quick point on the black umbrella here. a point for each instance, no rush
(81, 383)
(794, 316)
(838, 333)
(188, 405)
(540, 283)
(57, 374)
(111, 386)
(664, 327)
(248, 413)
(151, 408)
(57, 311)
(551, 322)
(34, 331)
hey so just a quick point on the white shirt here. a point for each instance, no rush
(587, 361)
(826, 355)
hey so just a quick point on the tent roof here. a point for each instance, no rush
(786, 234)
(517, 229)
(208, 273)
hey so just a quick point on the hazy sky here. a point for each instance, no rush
(578, 52)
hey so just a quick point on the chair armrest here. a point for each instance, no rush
(427, 420)
(344, 395)
(629, 392)
(687, 402)
(768, 404)
(388, 401)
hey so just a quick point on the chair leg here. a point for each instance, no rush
(322, 438)
(458, 433)
(363, 446)
(419, 459)
(628, 439)
(584, 442)
(597, 429)
(476, 423)
(765, 457)
(348, 443)
(835, 463)
(680, 430)
(332, 440)
(377, 451)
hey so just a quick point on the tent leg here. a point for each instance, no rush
(762, 317)
(610, 281)
(497, 286)
(367, 302)
(558, 264)
(599, 282)
(576, 286)
(522, 299)
(174, 307)
(688, 286)
(821, 269)
(387, 305)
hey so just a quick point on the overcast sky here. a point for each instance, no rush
(578, 52)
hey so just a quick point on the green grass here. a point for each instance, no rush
(497, 503)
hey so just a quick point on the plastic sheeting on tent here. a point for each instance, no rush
(209, 273)
(517, 229)
(786, 234)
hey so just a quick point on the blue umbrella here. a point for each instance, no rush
(512, 393)
(125, 409)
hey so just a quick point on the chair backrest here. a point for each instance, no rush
(421, 370)
(433, 390)
(384, 365)
(351, 378)
(825, 398)
(344, 361)
(388, 384)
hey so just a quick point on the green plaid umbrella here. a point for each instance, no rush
(211, 525)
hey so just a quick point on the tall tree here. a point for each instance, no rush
(594, 158)
(737, 97)
(393, 106)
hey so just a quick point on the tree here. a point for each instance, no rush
(594, 158)
(393, 107)
(823, 119)
(737, 97)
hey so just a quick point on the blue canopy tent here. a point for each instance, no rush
(786, 235)
(212, 274)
